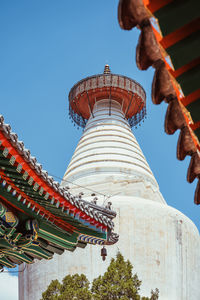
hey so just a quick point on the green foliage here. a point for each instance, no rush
(72, 287)
(154, 295)
(118, 282)
(75, 287)
(52, 291)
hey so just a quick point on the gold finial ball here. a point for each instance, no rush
(106, 69)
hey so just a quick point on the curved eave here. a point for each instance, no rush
(48, 190)
(28, 194)
(172, 48)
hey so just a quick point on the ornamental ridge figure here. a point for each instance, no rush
(161, 243)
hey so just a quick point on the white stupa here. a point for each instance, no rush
(161, 242)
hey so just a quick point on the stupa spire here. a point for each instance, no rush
(108, 158)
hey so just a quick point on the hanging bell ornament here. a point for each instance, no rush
(103, 253)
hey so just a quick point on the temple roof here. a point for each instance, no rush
(38, 217)
(169, 42)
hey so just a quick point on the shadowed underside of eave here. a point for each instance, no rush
(170, 42)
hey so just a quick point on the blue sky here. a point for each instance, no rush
(46, 47)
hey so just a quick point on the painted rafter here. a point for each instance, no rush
(29, 195)
(169, 42)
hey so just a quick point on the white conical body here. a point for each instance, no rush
(108, 158)
(162, 243)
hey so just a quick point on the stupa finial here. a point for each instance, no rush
(107, 69)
